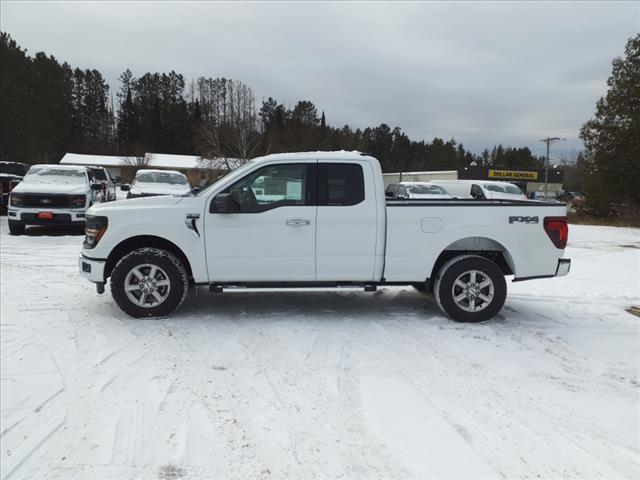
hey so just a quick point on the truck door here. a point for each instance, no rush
(347, 223)
(273, 235)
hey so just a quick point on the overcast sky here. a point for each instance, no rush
(482, 73)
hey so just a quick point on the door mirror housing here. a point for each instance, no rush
(96, 187)
(224, 203)
(125, 187)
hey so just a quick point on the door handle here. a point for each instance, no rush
(297, 222)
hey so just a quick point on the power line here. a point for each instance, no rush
(549, 141)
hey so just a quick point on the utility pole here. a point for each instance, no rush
(548, 141)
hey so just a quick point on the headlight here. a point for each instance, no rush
(15, 199)
(94, 230)
(78, 201)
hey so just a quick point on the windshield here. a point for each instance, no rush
(161, 177)
(423, 189)
(12, 169)
(506, 188)
(55, 175)
(99, 173)
(240, 169)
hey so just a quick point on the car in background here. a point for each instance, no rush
(415, 190)
(152, 183)
(482, 189)
(11, 174)
(51, 195)
(102, 177)
(574, 198)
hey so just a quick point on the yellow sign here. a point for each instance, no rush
(513, 174)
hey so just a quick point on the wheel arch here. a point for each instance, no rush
(477, 245)
(145, 241)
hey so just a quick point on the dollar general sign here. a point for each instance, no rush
(513, 174)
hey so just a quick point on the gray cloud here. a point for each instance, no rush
(482, 73)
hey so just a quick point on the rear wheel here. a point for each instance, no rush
(470, 288)
(149, 282)
(16, 228)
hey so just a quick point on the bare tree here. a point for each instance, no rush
(139, 160)
(230, 136)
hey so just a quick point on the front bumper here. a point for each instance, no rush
(61, 216)
(92, 269)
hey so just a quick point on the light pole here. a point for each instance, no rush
(548, 141)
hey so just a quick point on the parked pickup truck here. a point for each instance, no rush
(52, 195)
(319, 220)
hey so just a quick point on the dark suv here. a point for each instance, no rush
(11, 174)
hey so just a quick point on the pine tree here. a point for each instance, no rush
(612, 138)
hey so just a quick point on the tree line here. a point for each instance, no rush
(49, 108)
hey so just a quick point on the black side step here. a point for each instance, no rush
(219, 287)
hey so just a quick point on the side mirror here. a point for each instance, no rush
(96, 186)
(224, 203)
(125, 187)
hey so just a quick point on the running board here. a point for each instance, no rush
(221, 287)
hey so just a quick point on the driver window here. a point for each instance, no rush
(271, 187)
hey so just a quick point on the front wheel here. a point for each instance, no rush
(149, 282)
(16, 228)
(470, 288)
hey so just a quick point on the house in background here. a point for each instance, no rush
(198, 170)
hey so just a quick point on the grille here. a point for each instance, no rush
(46, 201)
(57, 217)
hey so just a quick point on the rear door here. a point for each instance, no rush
(346, 222)
(272, 237)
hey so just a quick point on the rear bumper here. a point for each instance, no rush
(562, 269)
(92, 269)
(564, 265)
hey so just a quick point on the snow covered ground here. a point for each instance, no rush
(322, 384)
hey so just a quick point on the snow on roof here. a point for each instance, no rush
(59, 167)
(156, 160)
(151, 170)
(334, 155)
(97, 160)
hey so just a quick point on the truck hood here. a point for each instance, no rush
(134, 204)
(140, 188)
(51, 188)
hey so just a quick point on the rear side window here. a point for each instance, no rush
(477, 193)
(340, 184)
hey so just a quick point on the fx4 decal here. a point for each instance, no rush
(523, 219)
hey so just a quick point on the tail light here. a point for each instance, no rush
(558, 230)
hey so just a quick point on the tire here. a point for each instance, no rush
(135, 269)
(16, 228)
(477, 304)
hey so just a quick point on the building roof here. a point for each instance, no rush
(151, 160)
(423, 173)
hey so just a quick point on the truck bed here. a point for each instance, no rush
(420, 230)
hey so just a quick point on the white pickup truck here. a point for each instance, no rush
(319, 219)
